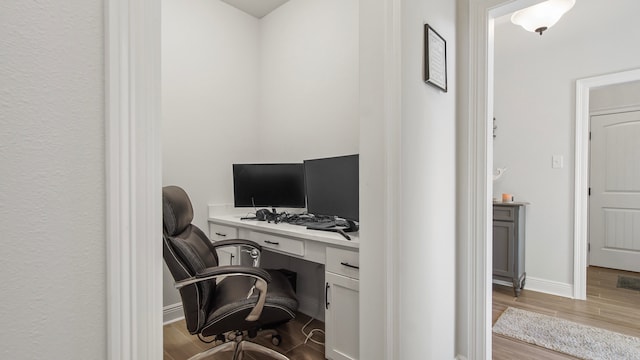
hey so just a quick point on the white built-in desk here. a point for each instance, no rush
(341, 276)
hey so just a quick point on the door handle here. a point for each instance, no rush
(221, 234)
(272, 242)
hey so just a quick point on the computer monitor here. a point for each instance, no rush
(332, 186)
(268, 185)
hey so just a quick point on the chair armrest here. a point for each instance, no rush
(234, 270)
(262, 279)
(240, 242)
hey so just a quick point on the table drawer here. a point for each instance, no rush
(343, 262)
(505, 213)
(279, 243)
(222, 232)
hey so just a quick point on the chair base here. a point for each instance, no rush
(238, 346)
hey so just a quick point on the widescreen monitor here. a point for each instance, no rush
(332, 186)
(268, 185)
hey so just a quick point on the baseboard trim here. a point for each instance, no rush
(172, 313)
(549, 287)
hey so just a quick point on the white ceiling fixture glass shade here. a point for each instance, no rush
(541, 17)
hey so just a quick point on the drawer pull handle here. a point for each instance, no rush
(221, 234)
(326, 296)
(272, 242)
(349, 265)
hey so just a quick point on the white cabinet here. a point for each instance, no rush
(342, 305)
(281, 244)
(227, 255)
(341, 260)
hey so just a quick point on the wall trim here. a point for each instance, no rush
(614, 110)
(133, 179)
(172, 313)
(549, 287)
(544, 286)
(581, 197)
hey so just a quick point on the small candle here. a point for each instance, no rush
(507, 198)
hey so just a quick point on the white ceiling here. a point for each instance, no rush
(257, 8)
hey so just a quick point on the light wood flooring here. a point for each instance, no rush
(180, 345)
(606, 307)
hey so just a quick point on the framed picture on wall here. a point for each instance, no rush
(435, 58)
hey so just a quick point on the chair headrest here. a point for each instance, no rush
(177, 212)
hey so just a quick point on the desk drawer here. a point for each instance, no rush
(279, 243)
(343, 262)
(222, 232)
(504, 213)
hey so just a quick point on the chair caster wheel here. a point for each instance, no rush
(276, 340)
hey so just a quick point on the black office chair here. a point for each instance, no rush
(228, 302)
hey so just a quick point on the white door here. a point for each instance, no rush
(614, 204)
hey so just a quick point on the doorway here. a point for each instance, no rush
(134, 254)
(480, 166)
(614, 194)
(581, 196)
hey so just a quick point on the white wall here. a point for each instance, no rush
(210, 90)
(209, 98)
(309, 80)
(427, 241)
(238, 89)
(534, 109)
(377, 328)
(52, 187)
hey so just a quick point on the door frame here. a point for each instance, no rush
(134, 177)
(479, 163)
(581, 195)
(477, 174)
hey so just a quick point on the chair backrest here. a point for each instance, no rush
(187, 251)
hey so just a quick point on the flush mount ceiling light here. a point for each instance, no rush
(542, 16)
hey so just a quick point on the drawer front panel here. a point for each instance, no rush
(505, 213)
(279, 243)
(343, 262)
(222, 232)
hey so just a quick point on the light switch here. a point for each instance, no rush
(557, 162)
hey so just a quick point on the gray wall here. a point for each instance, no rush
(52, 187)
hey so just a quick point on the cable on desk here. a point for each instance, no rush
(306, 219)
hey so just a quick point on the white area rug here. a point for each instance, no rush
(582, 341)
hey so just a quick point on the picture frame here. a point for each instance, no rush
(435, 58)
